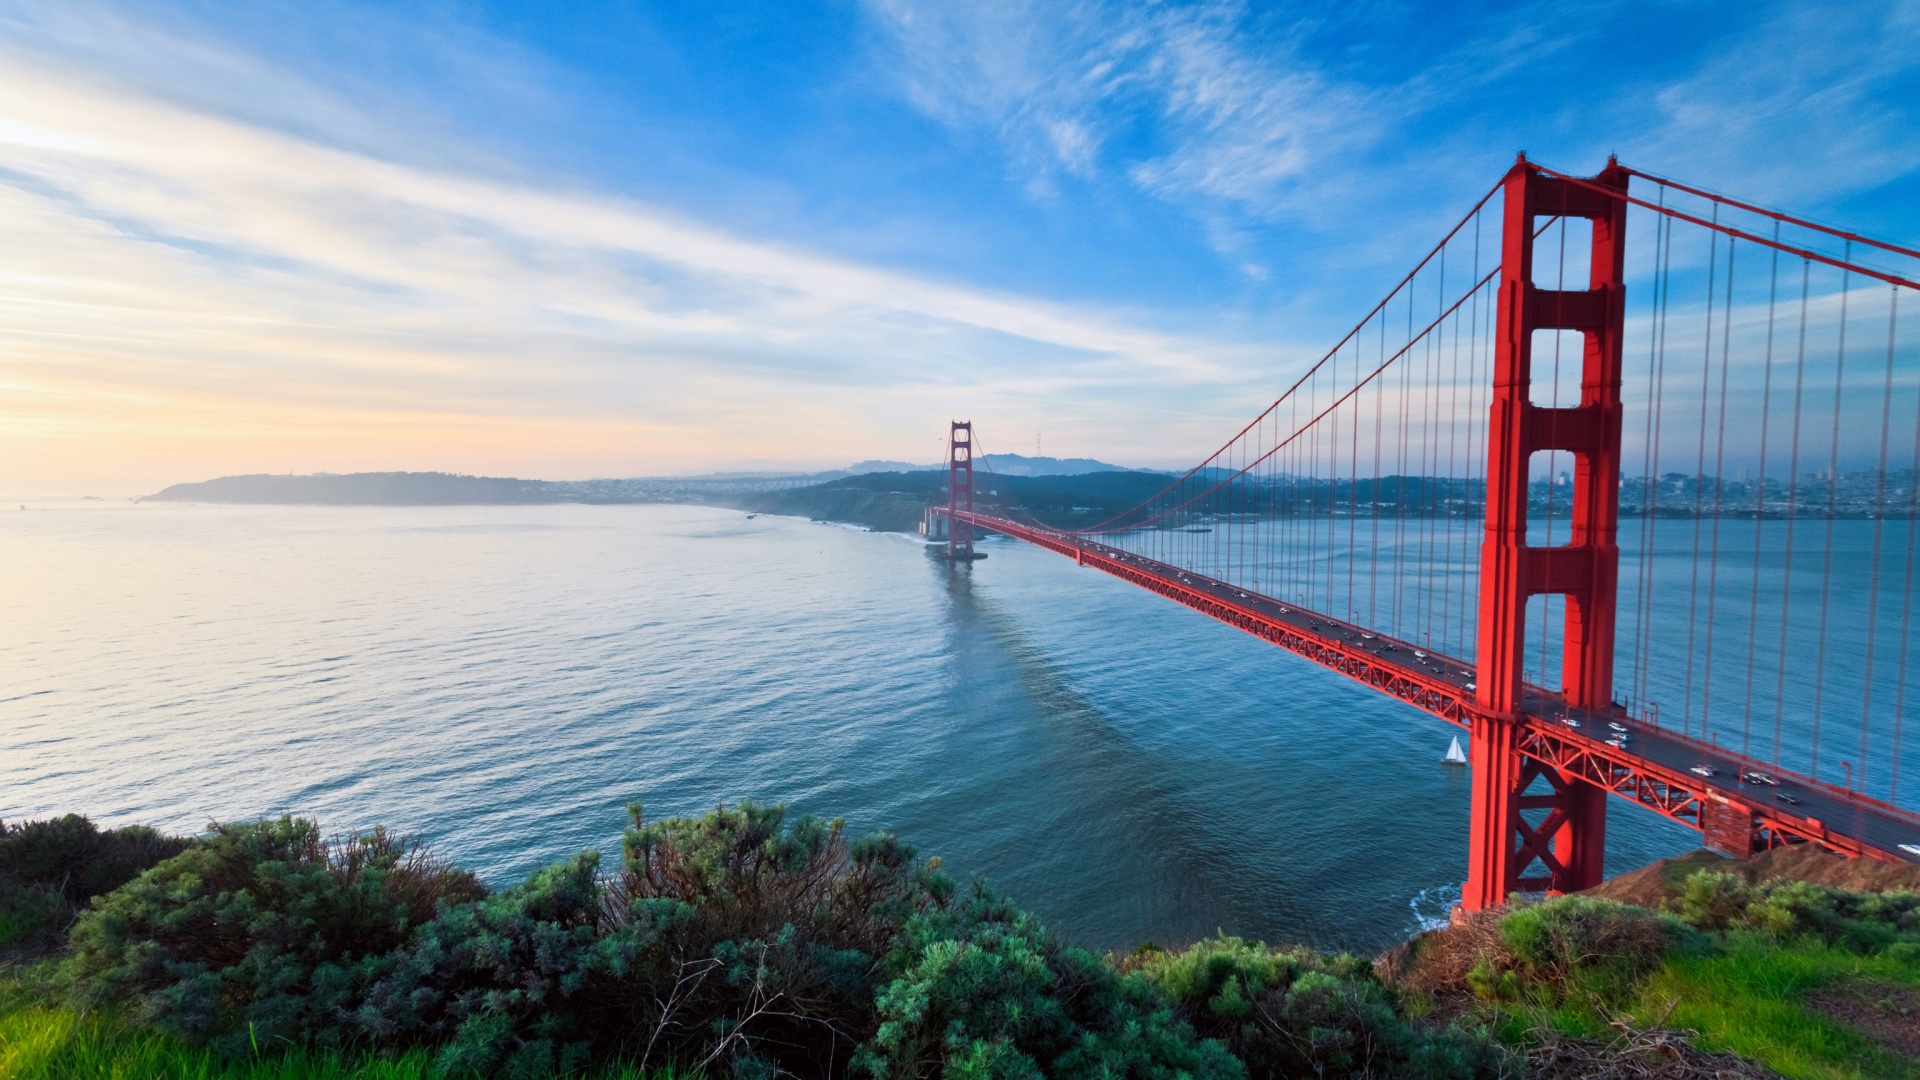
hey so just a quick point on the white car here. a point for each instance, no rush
(1616, 726)
(1704, 770)
(1911, 849)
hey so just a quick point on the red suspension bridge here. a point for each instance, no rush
(1695, 475)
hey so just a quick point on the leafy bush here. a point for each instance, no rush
(763, 943)
(738, 938)
(50, 869)
(1293, 1012)
(1860, 921)
(983, 990)
(1576, 938)
(263, 932)
(79, 859)
(498, 982)
(29, 913)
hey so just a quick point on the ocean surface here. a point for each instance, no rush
(503, 681)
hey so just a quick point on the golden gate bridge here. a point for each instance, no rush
(1435, 509)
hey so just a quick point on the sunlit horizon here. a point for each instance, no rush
(274, 240)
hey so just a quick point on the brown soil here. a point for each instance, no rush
(1660, 880)
(1883, 1012)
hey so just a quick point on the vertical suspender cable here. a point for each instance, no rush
(1879, 529)
(1373, 491)
(1465, 649)
(1657, 375)
(1793, 509)
(1400, 498)
(1699, 473)
(1906, 604)
(1760, 497)
(1353, 484)
(1446, 492)
(1719, 484)
(1833, 492)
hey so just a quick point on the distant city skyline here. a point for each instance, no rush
(619, 240)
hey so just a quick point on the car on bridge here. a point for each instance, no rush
(1704, 770)
(1753, 777)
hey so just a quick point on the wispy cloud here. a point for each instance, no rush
(168, 266)
(1236, 117)
(1803, 102)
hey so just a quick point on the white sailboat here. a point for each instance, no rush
(1454, 756)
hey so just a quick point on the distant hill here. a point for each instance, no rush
(894, 502)
(887, 501)
(367, 489)
(1003, 464)
(453, 489)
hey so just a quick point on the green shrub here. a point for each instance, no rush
(50, 869)
(1586, 941)
(29, 913)
(77, 858)
(983, 990)
(759, 942)
(262, 933)
(737, 939)
(497, 983)
(1295, 1012)
(1861, 921)
(1714, 901)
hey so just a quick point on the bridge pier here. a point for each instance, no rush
(1567, 833)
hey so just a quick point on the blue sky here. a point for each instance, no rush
(617, 238)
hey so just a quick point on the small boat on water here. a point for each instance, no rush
(1454, 755)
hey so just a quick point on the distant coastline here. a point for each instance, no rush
(889, 496)
(883, 496)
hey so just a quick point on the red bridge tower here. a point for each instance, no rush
(1570, 842)
(960, 490)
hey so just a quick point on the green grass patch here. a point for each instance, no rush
(1746, 997)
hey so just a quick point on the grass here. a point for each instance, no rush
(1743, 997)
(1746, 998)
(39, 1041)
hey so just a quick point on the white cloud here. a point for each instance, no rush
(1804, 103)
(168, 260)
(1244, 120)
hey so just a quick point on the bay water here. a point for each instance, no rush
(502, 682)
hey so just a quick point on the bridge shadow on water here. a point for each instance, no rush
(1099, 831)
(1134, 770)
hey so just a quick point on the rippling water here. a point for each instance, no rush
(502, 681)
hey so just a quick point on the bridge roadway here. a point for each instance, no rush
(1653, 768)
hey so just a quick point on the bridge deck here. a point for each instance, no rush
(1655, 773)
